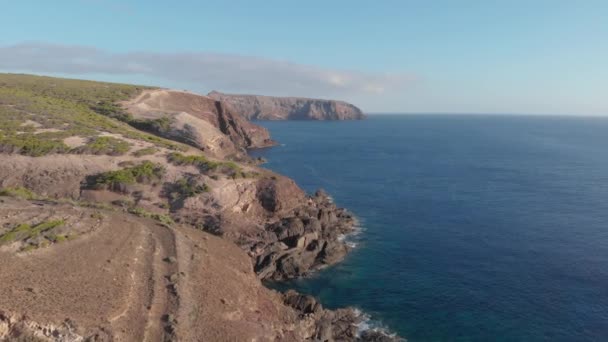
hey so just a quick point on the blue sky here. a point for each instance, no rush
(537, 57)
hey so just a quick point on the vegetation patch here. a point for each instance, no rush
(105, 145)
(118, 180)
(180, 159)
(73, 107)
(145, 151)
(205, 165)
(184, 188)
(189, 187)
(19, 192)
(25, 232)
(158, 126)
(163, 219)
(29, 144)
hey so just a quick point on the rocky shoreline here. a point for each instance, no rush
(96, 182)
(302, 241)
(305, 240)
(335, 325)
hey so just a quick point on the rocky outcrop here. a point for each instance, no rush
(286, 232)
(255, 107)
(334, 325)
(200, 121)
(307, 238)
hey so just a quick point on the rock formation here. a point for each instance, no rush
(256, 107)
(197, 120)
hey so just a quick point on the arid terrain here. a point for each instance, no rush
(132, 213)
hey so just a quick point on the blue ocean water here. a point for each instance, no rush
(476, 228)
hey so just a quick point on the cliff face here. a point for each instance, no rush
(200, 121)
(255, 107)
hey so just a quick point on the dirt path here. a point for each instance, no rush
(129, 279)
(106, 280)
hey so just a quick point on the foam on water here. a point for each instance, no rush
(369, 324)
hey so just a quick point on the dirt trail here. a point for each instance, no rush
(108, 279)
(130, 279)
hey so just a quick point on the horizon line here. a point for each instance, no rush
(583, 115)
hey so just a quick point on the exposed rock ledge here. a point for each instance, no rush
(256, 107)
(307, 238)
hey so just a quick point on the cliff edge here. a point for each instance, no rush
(200, 121)
(256, 107)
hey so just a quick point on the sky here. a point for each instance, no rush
(459, 56)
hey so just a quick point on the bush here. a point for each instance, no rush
(157, 126)
(145, 151)
(111, 110)
(19, 192)
(30, 144)
(189, 187)
(229, 168)
(24, 231)
(105, 145)
(199, 161)
(145, 172)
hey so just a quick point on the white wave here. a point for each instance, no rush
(369, 324)
(353, 238)
(352, 244)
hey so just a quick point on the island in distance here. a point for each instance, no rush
(257, 107)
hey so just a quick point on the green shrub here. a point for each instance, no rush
(111, 110)
(157, 126)
(105, 145)
(29, 144)
(145, 172)
(145, 151)
(19, 192)
(24, 231)
(231, 169)
(189, 187)
(180, 159)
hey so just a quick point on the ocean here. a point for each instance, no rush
(474, 227)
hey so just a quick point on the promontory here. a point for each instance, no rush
(257, 107)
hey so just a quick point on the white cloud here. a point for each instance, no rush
(202, 71)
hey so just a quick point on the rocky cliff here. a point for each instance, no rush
(255, 107)
(200, 121)
(111, 233)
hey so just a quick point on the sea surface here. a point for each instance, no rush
(475, 228)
